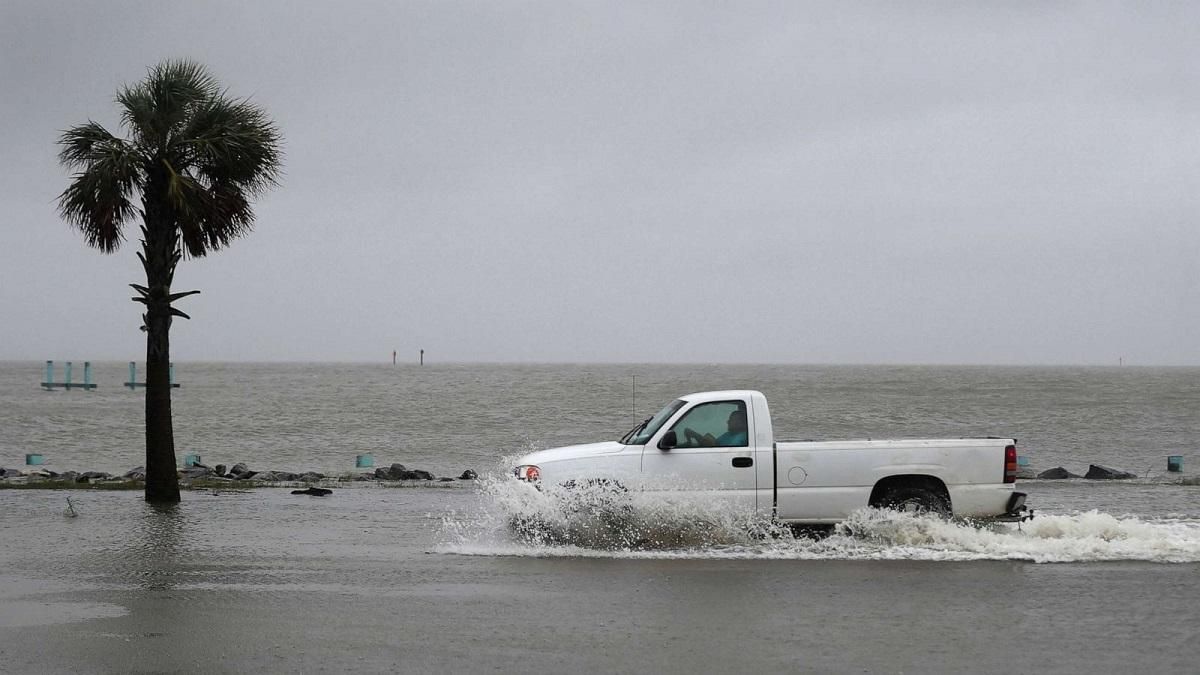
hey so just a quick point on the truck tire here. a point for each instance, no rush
(917, 500)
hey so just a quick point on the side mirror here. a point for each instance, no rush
(668, 441)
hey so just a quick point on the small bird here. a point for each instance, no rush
(70, 512)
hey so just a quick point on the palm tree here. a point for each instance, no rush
(195, 157)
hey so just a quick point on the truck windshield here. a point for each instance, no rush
(642, 432)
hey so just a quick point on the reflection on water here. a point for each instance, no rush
(265, 539)
(157, 548)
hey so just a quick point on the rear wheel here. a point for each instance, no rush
(917, 501)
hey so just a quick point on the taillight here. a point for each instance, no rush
(528, 472)
(1010, 464)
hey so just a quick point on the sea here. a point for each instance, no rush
(433, 578)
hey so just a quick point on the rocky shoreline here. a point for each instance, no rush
(241, 475)
(238, 474)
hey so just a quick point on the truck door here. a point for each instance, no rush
(713, 456)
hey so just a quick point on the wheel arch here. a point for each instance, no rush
(921, 481)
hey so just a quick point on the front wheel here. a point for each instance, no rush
(917, 501)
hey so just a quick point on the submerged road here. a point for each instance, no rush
(267, 582)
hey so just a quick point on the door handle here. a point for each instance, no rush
(743, 462)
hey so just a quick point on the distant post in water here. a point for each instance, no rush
(134, 384)
(393, 357)
(422, 361)
(87, 385)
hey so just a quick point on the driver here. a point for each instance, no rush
(735, 436)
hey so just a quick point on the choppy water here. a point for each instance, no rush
(446, 418)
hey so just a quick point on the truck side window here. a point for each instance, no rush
(720, 424)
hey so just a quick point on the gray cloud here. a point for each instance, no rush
(1006, 183)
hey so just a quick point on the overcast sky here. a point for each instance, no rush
(639, 182)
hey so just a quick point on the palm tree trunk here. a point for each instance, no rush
(162, 481)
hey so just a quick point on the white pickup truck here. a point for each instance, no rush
(721, 445)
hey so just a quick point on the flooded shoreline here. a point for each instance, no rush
(372, 580)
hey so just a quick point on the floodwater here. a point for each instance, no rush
(374, 579)
(431, 579)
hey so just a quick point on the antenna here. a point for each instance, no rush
(635, 396)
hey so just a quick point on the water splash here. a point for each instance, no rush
(598, 520)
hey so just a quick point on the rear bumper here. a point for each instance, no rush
(1015, 510)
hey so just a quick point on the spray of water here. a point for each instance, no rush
(600, 519)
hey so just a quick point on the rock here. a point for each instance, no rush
(1057, 473)
(136, 474)
(273, 476)
(240, 472)
(311, 476)
(1097, 472)
(219, 469)
(445, 480)
(95, 475)
(400, 472)
(469, 474)
(314, 491)
(193, 472)
(66, 476)
(364, 476)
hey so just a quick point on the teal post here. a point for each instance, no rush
(171, 374)
(132, 375)
(68, 375)
(49, 374)
(1175, 463)
(87, 375)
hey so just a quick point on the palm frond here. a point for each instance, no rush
(89, 143)
(210, 216)
(158, 107)
(99, 199)
(234, 142)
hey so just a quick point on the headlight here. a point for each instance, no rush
(528, 472)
